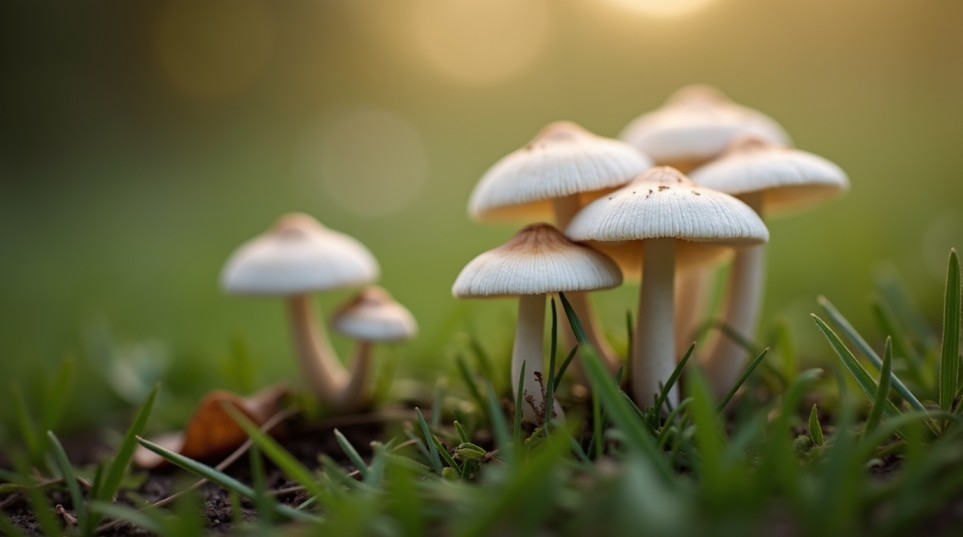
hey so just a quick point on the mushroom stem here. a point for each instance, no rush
(355, 393)
(323, 373)
(527, 350)
(653, 358)
(725, 361)
(565, 209)
(691, 289)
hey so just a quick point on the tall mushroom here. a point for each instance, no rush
(772, 180)
(552, 177)
(297, 257)
(539, 260)
(370, 317)
(695, 125)
(661, 209)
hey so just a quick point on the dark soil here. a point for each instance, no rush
(306, 441)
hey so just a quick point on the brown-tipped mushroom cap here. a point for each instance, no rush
(664, 203)
(697, 123)
(562, 160)
(374, 316)
(787, 178)
(538, 260)
(298, 255)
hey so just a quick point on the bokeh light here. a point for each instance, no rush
(663, 8)
(370, 161)
(481, 41)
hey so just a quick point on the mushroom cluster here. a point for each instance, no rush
(297, 257)
(650, 222)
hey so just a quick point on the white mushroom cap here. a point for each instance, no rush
(374, 316)
(298, 255)
(538, 260)
(562, 160)
(664, 203)
(697, 123)
(787, 178)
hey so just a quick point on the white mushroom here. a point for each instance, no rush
(370, 317)
(538, 261)
(772, 180)
(552, 177)
(660, 209)
(299, 256)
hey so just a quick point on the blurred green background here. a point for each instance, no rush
(140, 143)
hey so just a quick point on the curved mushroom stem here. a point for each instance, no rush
(323, 373)
(565, 209)
(355, 394)
(528, 350)
(653, 358)
(726, 359)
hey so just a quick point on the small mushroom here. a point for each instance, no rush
(552, 177)
(659, 222)
(538, 261)
(695, 125)
(772, 180)
(370, 317)
(295, 258)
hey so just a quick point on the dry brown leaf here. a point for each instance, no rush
(211, 431)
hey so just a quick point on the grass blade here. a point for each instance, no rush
(132, 516)
(564, 367)
(815, 428)
(868, 351)
(950, 355)
(882, 393)
(856, 369)
(221, 479)
(889, 324)
(121, 462)
(550, 383)
(742, 379)
(352, 454)
(67, 471)
(433, 458)
(497, 422)
(517, 421)
(673, 378)
(284, 460)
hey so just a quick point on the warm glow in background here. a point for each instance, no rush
(140, 143)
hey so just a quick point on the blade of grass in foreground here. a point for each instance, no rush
(882, 392)
(221, 479)
(673, 378)
(284, 460)
(742, 379)
(67, 471)
(856, 369)
(352, 454)
(867, 350)
(433, 457)
(950, 356)
(121, 462)
(627, 420)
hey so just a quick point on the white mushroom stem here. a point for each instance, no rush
(727, 358)
(528, 350)
(653, 355)
(565, 209)
(355, 394)
(323, 373)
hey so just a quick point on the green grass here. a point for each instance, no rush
(788, 450)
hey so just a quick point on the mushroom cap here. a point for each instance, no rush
(562, 160)
(537, 260)
(787, 178)
(298, 255)
(664, 203)
(374, 316)
(697, 123)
